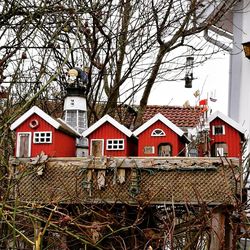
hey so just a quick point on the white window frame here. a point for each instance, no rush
(102, 140)
(110, 142)
(162, 133)
(223, 129)
(18, 143)
(39, 137)
(77, 126)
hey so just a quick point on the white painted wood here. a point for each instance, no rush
(228, 120)
(163, 119)
(75, 103)
(39, 112)
(112, 121)
(239, 85)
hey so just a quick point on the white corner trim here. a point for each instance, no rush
(18, 143)
(39, 112)
(228, 120)
(112, 121)
(163, 119)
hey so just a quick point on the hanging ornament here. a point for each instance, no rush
(24, 55)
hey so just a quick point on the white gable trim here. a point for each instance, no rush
(112, 121)
(228, 120)
(163, 119)
(39, 112)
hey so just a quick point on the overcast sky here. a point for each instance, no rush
(211, 77)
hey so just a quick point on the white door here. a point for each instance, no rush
(23, 144)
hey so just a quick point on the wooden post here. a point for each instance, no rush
(37, 236)
(218, 231)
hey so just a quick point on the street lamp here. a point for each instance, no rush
(246, 48)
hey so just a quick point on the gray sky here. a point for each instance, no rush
(211, 77)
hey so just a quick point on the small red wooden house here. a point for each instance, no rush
(36, 131)
(107, 137)
(160, 137)
(226, 135)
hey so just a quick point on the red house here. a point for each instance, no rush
(36, 131)
(226, 135)
(160, 137)
(107, 137)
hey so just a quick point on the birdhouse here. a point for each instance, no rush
(189, 72)
(246, 48)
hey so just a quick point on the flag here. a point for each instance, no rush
(196, 93)
(205, 109)
(186, 104)
(213, 99)
(203, 102)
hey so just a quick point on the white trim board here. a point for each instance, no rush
(163, 119)
(228, 120)
(112, 121)
(39, 112)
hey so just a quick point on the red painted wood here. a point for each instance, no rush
(108, 131)
(232, 138)
(63, 145)
(145, 139)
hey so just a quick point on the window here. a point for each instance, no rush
(42, 137)
(149, 150)
(77, 119)
(71, 118)
(158, 132)
(115, 144)
(82, 120)
(165, 149)
(218, 130)
(219, 149)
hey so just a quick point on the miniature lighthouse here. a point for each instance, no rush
(75, 107)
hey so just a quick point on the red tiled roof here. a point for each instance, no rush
(180, 116)
(183, 117)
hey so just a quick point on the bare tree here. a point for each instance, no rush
(128, 46)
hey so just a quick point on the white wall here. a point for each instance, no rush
(239, 84)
